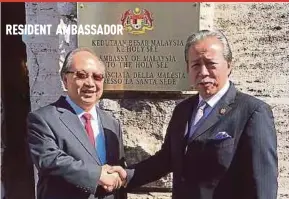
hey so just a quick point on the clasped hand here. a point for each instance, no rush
(112, 177)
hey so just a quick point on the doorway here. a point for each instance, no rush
(16, 168)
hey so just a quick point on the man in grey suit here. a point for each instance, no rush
(220, 143)
(72, 140)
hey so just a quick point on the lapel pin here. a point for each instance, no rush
(222, 111)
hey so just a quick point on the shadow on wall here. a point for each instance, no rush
(16, 168)
(137, 154)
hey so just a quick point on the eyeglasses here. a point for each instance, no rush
(84, 75)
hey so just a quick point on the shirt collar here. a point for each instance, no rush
(79, 111)
(212, 101)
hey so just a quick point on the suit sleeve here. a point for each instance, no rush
(154, 167)
(51, 160)
(121, 193)
(122, 161)
(259, 156)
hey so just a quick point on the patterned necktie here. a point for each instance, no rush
(200, 112)
(88, 127)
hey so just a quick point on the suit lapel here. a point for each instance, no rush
(69, 118)
(212, 119)
(221, 109)
(187, 113)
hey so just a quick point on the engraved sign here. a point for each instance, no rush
(149, 54)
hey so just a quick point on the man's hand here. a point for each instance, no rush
(120, 171)
(109, 180)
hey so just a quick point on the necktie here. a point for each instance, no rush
(88, 127)
(198, 116)
(99, 143)
(200, 112)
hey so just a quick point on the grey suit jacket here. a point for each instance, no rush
(242, 165)
(68, 165)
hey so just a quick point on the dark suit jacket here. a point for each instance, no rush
(204, 167)
(68, 165)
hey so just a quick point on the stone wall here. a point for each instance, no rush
(45, 53)
(259, 35)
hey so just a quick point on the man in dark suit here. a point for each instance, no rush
(72, 140)
(221, 143)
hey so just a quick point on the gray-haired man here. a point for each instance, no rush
(72, 140)
(220, 143)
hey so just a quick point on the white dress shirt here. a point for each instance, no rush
(211, 102)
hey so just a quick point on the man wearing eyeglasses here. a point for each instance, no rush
(72, 141)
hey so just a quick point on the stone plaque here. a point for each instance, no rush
(149, 55)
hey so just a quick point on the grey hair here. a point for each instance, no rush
(69, 58)
(201, 35)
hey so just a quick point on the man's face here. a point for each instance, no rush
(208, 70)
(84, 81)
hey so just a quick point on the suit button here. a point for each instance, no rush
(183, 179)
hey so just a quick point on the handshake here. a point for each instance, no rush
(112, 177)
